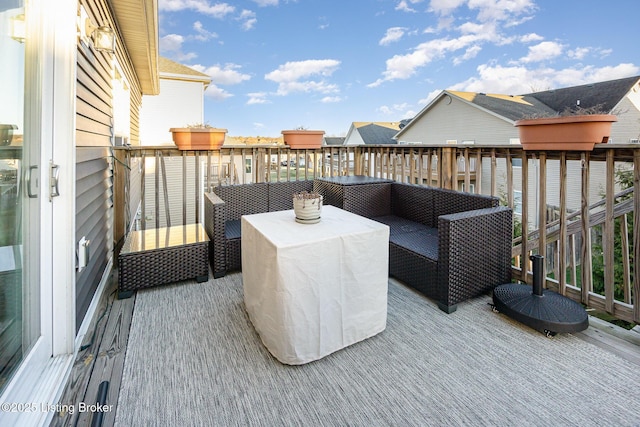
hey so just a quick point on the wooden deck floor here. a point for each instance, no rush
(100, 359)
(103, 354)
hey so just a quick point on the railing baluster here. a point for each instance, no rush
(524, 252)
(636, 235)
(542, 208)
(562, 240)
(608, 232)
(585, 249)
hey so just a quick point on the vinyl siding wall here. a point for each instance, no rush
(453, 119)
(94, 164)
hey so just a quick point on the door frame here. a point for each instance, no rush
(50, 75)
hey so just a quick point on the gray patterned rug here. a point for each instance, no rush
(194, 359)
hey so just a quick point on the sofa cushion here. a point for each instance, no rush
(232, 229)
(412, 235)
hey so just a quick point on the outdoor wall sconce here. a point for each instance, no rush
(18, 28)
(102, 37)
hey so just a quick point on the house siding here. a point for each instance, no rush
(458, 121)
(628, 125)
(94, 164)
(179, 105)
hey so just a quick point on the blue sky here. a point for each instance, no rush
(323, 64)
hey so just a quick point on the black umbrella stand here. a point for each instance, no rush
(541, 309)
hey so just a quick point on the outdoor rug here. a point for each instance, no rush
(194, 359)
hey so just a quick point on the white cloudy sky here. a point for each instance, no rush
(322, 64)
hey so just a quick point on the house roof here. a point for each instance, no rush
(173, 70)
(605, 94)
(334, 140)
(514, 107)
(377, 132)
(138, 24)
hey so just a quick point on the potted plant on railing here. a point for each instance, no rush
(307, 207)
(301, 138)
(198, 137)
(573, 129)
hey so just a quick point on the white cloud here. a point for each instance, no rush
(202, 33)
(542, 52)
(405, 66)
(470, 53)
(430, 97)
(295, 76)
(264, 3)
(530, 38)
(492, 16)
(248, 19)
(518, 79)
(393, 34)
(218, 10)
(217, 93)
(257, 98)
(223, 75)
(403, 5)
(578, 53)
(331, 99)
(501, 10)
(445, 7)
(171, 45)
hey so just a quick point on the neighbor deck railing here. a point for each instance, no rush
(591, 226)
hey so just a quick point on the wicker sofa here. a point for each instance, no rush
(224, 207)
(450, 246)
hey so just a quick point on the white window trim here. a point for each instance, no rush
(41, 376)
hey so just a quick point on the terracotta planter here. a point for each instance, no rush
(565, 133)
(303, 139)
(198, 138)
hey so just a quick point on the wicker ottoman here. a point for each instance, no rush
(163, 255)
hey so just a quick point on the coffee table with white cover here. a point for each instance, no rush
(313, 289)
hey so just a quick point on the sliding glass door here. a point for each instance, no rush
(19, 199)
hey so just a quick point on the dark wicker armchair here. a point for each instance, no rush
(224, 207)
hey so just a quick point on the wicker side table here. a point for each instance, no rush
(162, 255)
(363, 195)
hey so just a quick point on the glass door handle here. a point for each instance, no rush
(30, 192)
(54, 172)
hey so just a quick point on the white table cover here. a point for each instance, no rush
(312, 289)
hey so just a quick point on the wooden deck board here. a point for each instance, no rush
(102, 361)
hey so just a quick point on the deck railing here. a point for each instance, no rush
(586, 203)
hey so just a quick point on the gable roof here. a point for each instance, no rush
(377, 132)
(514, 107)
(175, 71)
(606, 94)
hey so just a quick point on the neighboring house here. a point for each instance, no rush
(361, 133)
(74, 104)
(334, 140)
(455, 117)
(180, 103)
(469, 117)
